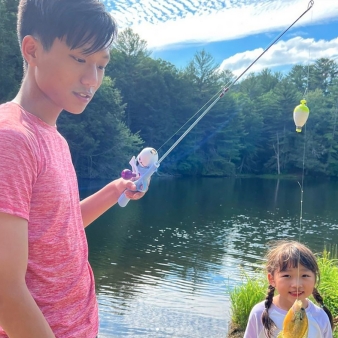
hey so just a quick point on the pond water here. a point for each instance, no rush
(164, 264)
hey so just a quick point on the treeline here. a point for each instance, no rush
(145, 102)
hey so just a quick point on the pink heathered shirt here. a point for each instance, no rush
(38, 183)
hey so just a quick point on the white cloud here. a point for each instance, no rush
(164, 23)
(174, 24)
(294, 51)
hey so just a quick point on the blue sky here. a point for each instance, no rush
(234, 32)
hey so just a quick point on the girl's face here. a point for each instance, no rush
(292, 284)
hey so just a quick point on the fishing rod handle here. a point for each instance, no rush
(141, 184)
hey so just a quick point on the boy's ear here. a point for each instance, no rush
(29, 47)
(271, 280)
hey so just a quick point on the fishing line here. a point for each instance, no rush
(301, 207)
(301, 185)
(303, 161)
(192, 117)
(220, 127)
(151, 163)
(227, 88)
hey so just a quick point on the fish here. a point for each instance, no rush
(295, 323)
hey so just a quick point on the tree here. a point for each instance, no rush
(323, 72)
(140, 80)
(269, 80)
(129, 51)
(130, 44)
(10, 57)
(212, 146)
(100, 142)
(252, 122)
(202, 71)
(299, 77)
(251, 86)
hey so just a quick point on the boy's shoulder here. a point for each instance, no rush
(15, 119)
(8, 107)
(11, 116)
(15, 125)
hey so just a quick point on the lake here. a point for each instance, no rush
(164, 264)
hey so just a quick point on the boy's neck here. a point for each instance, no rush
(35, 102)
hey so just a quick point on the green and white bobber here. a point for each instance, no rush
(300, 115)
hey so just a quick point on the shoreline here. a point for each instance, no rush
(235, 331)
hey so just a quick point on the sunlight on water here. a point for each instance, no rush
(164, 265)
(173, 306)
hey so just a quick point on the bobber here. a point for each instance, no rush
(300, 115)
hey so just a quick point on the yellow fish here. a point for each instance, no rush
(295, 323)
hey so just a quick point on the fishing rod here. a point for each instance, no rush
(147, 162)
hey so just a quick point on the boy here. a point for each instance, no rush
(46, 283)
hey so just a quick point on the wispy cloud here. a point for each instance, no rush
(294, 51)
(168, 25)
(164, 23)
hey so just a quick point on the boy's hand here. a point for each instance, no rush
(95, 205)
(130, 190)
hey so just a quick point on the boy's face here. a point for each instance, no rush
(67, 78)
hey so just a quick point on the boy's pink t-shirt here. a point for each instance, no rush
(38, 183)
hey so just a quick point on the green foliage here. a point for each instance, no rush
(144, 87)
(328, 281)
(10, 56)
(245, 297)
(99, 140)
(149, 101)
(131, 44)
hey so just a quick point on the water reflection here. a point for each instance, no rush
(163, 264)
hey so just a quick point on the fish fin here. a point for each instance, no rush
(280, 334)
(305, 334)
(307, 325)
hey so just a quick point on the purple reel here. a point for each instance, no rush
(127, 174)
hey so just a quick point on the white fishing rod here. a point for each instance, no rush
(147, 162)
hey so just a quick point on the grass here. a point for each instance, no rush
(253, 290)
(328, 286)
(244, 297)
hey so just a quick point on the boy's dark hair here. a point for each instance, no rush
(80, 22)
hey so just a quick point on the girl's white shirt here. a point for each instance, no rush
(319, 323)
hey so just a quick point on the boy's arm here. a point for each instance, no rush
(95, 205)
(19, 314)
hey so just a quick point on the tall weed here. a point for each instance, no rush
(245, 296)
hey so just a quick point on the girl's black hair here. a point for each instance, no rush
(283, 255)
(319, 299)
(268, 323)
(80, 22)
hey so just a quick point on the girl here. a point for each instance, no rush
(293, 272)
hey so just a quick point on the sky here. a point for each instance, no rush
(233, 32)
